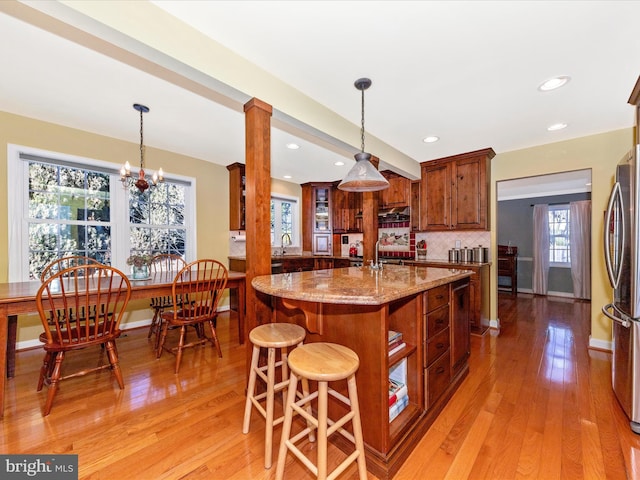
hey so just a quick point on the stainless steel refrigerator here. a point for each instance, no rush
(622, 254)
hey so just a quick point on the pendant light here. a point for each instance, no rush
(125, 172)
(363, 176)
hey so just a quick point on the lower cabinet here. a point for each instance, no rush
(460, 328)
(446, 337)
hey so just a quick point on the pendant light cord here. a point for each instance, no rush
(362, 123)
(142, 143)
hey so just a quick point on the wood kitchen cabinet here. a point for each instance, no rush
(415, 205)
(317, 218)
(236, 196)
(478, 291)
(455, 192)
(399, 192)
(460, 328)
(345, 209)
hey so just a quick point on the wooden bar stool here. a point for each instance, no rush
(324, 363)
(271, 336)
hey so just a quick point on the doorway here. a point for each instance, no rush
(516, 199)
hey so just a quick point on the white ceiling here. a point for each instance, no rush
(564, 183)
(465, 71)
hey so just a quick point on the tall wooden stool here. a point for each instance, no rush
(271, 336)
(324, 363)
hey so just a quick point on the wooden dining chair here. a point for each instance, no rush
(66, 262)
(203, 282)
(84, 288)
(62, 264)
(163, 262)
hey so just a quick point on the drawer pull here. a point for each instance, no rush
(440, 321)
(440, 370)
(439, 297)
(440, 345)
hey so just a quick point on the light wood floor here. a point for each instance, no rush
(537, 404)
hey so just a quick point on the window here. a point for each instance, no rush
(559, 248)
(284, 221)
(62, 205)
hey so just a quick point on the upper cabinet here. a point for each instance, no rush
(346, 206)
(415, 205)
(455, 192)
(236, 196)
(316, 218)
(399, 192)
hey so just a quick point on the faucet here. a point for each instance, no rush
(287, 237)
(377, 265)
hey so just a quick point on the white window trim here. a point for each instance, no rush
(560, 264)
(18, 234)
(295, 240)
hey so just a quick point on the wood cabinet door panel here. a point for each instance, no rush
(438, 378)
(437, 320)
(436, 346)
(436, 197)
(460, 340)
(468, 194)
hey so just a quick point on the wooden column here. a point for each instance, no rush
(258, 214)
(370, 221)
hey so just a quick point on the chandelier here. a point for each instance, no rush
(363, 176)
(125, 172)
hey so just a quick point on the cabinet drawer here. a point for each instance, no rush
(436, 297)
(437, 321)
(437, 379)
(436, 346)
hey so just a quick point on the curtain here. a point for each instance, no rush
(580, 244)
(540, 248)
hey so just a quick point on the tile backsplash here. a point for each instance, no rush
(439, 243)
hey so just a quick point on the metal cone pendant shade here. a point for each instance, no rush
(363, 176)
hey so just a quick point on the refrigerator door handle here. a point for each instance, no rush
(613, 273)
(625, 322)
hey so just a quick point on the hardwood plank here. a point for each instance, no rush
(536, 404)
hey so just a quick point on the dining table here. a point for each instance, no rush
(19, 298)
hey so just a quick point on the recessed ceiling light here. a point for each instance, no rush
(286, 176)
(430, 139)
(553, 83)
(339, 163)
(556, 126)
(293, 146)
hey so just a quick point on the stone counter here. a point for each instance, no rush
(356, 285)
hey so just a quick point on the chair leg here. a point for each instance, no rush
(251, 388)
(53, 385)
(286, 426)
(357, 427)
(163, 338)
(323, 404)
(153, 328)
(214, 335)
(115, 366)
(44, 370)
(183, 332)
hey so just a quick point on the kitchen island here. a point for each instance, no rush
(358, 307)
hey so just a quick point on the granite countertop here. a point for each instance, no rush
(356, 285)
(289, 255)
(447, 263)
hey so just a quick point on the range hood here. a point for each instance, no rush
(393, 214)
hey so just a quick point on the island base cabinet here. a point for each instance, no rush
(437, 379)
(424, 321)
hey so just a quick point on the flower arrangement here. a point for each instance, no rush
(421, 245)
(139, 260)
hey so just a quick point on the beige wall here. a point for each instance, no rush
(212, 194)
(600, 153)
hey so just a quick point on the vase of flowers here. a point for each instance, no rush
(139, 265)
